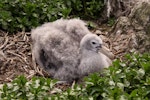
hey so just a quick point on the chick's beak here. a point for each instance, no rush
(99, 46)
(107, 52)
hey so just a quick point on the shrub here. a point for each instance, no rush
(23, 15)
(21, 89)
(18, 15)
(86, 8)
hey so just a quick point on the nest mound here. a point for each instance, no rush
(16, 56)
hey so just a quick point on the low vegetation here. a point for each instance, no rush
(129, 80)
(18, 15)
(85, 8)
(23, 15)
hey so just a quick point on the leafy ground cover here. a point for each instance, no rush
(18, 15)
(129, 80)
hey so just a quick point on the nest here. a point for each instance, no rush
(16, 57)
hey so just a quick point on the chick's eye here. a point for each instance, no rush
(93, 42)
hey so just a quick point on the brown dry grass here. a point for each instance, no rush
(16, 57)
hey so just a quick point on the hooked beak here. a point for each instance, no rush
(107, 52)
(99, 47)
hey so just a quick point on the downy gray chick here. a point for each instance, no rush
(91, 59)
(58, 49)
